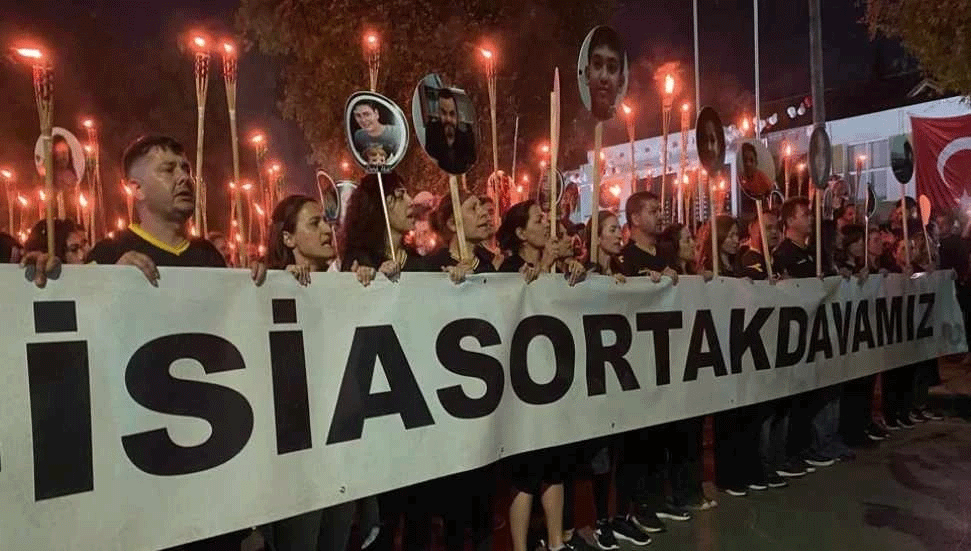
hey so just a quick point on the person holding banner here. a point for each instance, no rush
(774, 416)
(478, 228)
(158, 172)
(364, 238)
(301, 241)
(524, 234)
(738, 467)
(610, 244)
(70, 240)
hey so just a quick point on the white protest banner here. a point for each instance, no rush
(134, 417)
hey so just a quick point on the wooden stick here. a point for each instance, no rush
(866, 229)
(387, 219)
(819, 237)
(598, 136)
(764, 246)
(712, 225)
(453, 186)
(904, 218)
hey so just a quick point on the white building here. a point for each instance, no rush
(866, 135)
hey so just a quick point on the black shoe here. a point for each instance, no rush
(931, 415)
(916, 417)
(672, 512)
(625, 530)
(577, 543)
(776, 481)
(848, 456)
(792, 469)
(809, 468)
(892, 424)
(646, 520)
(875, 433)
(759, 486)
(739, 491)
(819, 461)
(603, 535)
(905, 422)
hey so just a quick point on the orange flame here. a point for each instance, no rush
(668, 84)
(30, 53)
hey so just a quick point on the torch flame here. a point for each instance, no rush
(685, 107)
(486, 53)
(615, 190)
(83, 201)
(120, 224)
(788, 150)
(6, 174)
(275, 167)
(721, 185)
(199, 42)
(127, 189)
(229, 48)
(372, 40)
(43, 196)
(247, 187)
(259, 210)
(88, 149)
(30, 53)
(88, 124)
(668, 84)
(685, 179)
(232, 185)
(627, 109)
(802, 166)
(23, 200)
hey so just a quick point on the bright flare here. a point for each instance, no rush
(486, 53)
(199, 42)
(30, 53)
(83, 201)
(627, 109)
(23, 200)
(668, 84)
(6, 174)
(258, 139)
(615, 190)
(88, 123)
(229, 48)
(120, 224)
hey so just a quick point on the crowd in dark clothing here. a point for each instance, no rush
(657, 471)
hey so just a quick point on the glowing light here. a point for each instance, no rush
(88, 149)
(199, 42)
(22, 236)
(23, 200)
(83, 201)
(544, 149)
(542, 164)
(261, 249)
(43, 196)
(259, 210)
(801, 166)
(861, 158)
(721, 185)
(88, 123)
(615, 190)
(232, 186)
(745, 125)
(788, 150)
(668, 84)
(239, 238)
(228, 48)
(120, 224)
(111, 235)
(486, 53)
(525, 178)
(276, 167)
(247, 187)
(234, 223)
(127, 189)
(346, 166)
(603, 156)
(685, 180)
(194, 232)
(6, 174)
(519, 189)
(258, 139)
(372, 41)
(627, 109)
(685, 107)
(30, 53)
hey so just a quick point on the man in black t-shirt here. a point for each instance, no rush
(640, 256)
(792, 258)
(644, 460)
(158, 172)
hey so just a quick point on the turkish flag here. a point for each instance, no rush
(942, 158)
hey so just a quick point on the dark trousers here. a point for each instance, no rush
(926, 375)
(737, 460)
(856, 409)
(898, 392)
(654, 454)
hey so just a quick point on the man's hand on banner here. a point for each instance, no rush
(143, 263)
(575, 272)
(672, 274)
(365, 274)
(458, 272)
(392, 270)
(39, 266)
(258, 272)
(301, 273)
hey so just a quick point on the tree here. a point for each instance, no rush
(937, 33)
(321, 47)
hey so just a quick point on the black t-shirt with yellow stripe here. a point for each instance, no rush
(197, 253)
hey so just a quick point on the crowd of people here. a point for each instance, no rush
(656, 472)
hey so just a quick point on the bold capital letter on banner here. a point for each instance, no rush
(226, 411)
(470, 364)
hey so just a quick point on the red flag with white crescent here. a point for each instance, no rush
(942, 159)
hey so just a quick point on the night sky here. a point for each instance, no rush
(652, 28)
